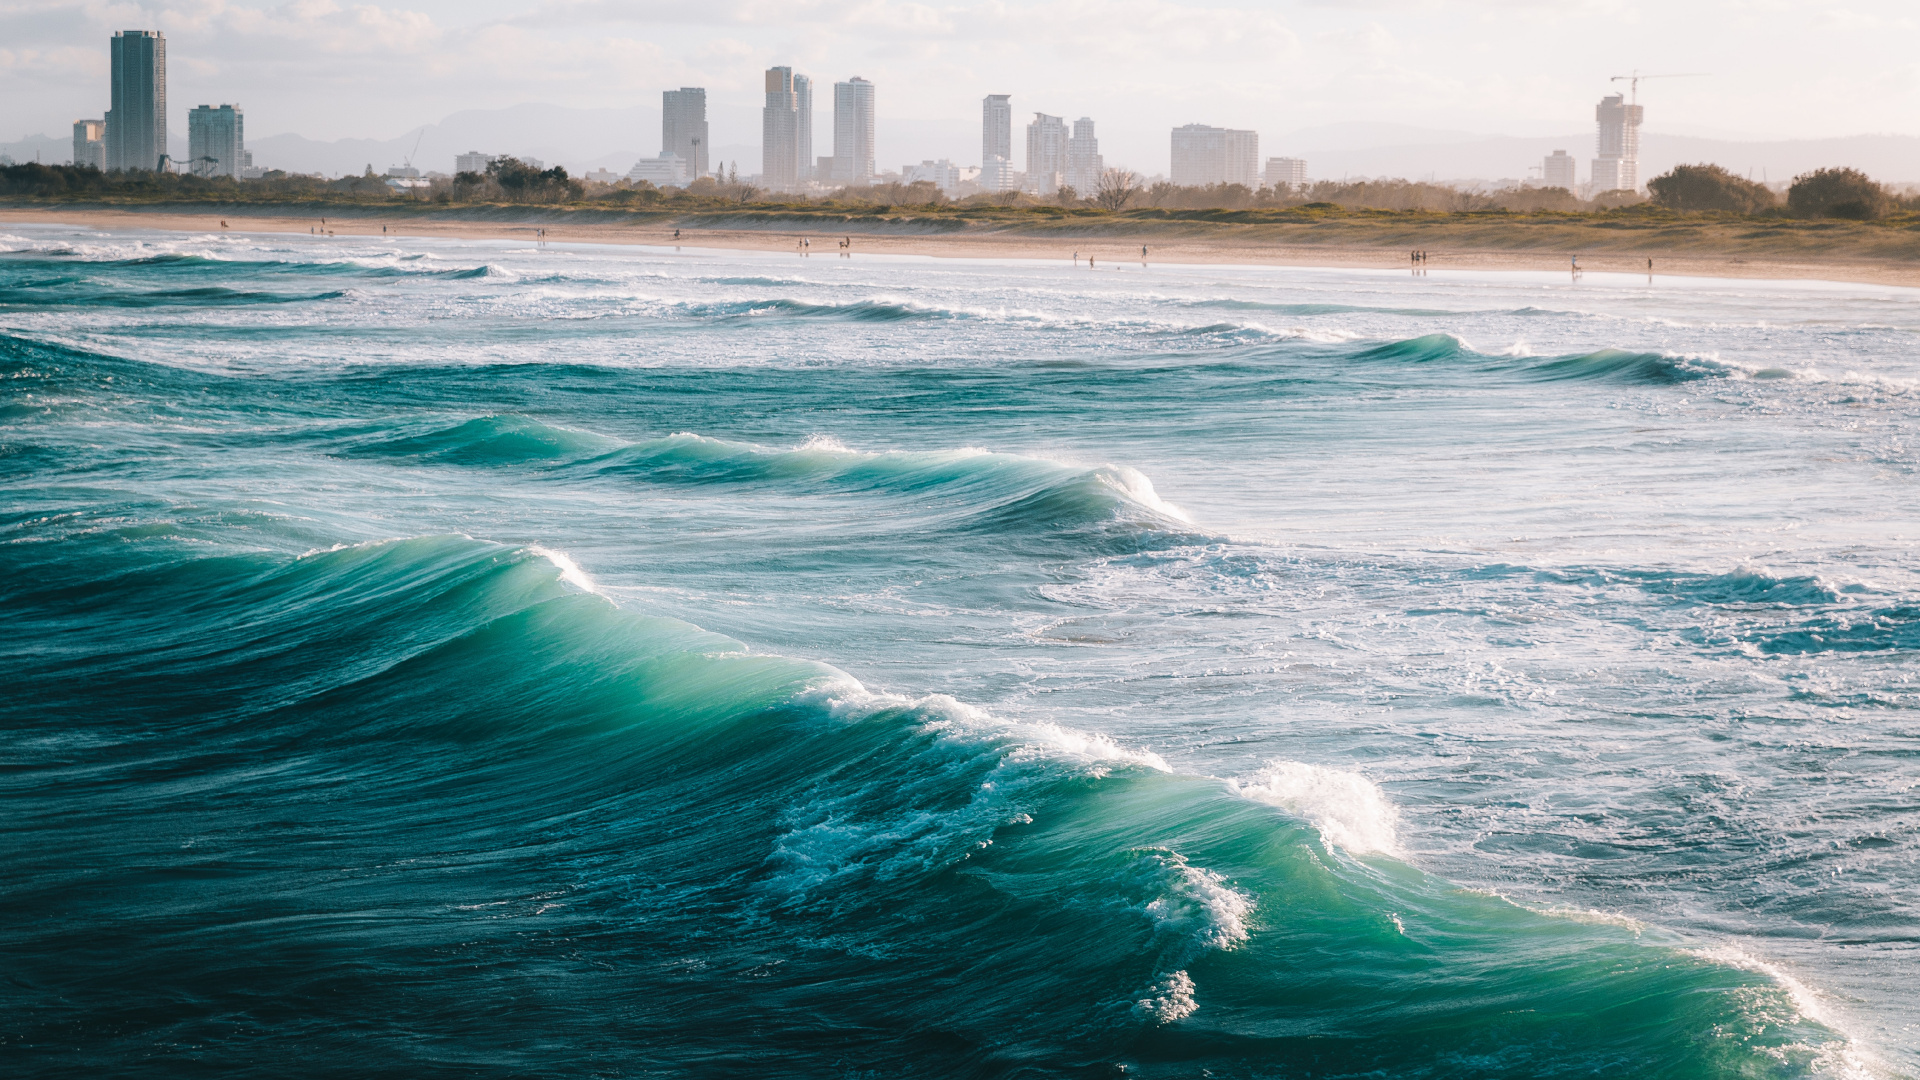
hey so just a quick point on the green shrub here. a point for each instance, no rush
(1838, 193)
(1709, 187)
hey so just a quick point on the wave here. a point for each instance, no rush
(439, 769)
(493, 440)
(1602, 365)
(969, 488)
(66, 295)
(874, 311)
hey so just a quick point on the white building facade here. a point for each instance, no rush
(1204, 156)
(853, 131)
(1286, 173)
(667, 170)
(1084, 163)
(1046, 154)
(996, 142)
(472, 161)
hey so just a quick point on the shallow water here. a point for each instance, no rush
(462, 658)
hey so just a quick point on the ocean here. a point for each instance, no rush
(477, 658)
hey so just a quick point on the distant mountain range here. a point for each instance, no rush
(584, 139)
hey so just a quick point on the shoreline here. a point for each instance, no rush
(1121, 246)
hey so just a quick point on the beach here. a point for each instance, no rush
(1709, 251)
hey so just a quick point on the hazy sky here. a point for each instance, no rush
(329, 69)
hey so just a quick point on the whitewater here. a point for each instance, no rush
(431, 658)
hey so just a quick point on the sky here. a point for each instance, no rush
(328, 69)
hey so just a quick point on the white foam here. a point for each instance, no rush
(1170, 998)
(1201, 905)
(1349, 810)
(570, 571)
(1847, 1058)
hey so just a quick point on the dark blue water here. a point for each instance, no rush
(435, 659)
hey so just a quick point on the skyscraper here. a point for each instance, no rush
(90, 143)
(853, 131)
(216, 141)
(1204, 156)
(996, 141)
(137, 120)
(1084, 163)
(780, 131)
(1617, 164)
(1046, 154)
(683, 127)
(803, 130)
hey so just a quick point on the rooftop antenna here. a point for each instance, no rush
(1633, 81)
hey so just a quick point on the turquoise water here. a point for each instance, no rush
(433, 658)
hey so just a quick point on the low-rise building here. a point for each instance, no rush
(90, 143)
(1286, 173)
(472, 161)
(667, 170)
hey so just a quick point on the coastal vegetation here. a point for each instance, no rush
(1699, 210)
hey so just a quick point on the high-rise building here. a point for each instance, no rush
(853, 131)
(1616, 165)
(683, 127)
(1084, 163)
(996, 127)
(1286, 173)
(472, 161)
(803, 129)
(780, 131)
(90, 143)
(1204, 156)
(137, 120)
(216, 141)
(1046, 154)
(1558, 170)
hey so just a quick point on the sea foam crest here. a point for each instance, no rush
(1199, 904)
(1350, 811)
(1169, 998)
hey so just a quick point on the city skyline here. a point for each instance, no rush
(301, 70)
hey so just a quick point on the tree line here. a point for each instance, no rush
(1704, 188)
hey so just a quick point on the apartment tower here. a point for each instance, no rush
(1046, 154)
(216, 141)
(1204, 156)
(996, 142)
(803, 128)
(1617, 164)
(1084, 163)
(137, 120)
(683, 127)
(780, 131)
(90, 143)
(853, 131)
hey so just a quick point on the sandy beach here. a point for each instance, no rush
(1118, 246)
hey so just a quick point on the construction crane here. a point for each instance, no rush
(1633, 81)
